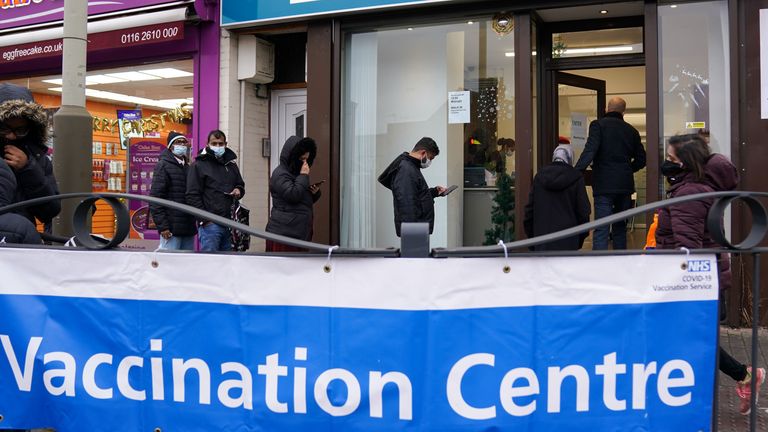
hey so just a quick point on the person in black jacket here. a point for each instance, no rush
(169, 181)
(23, 134)
(292, 194)
(14, 228)
(616, 153)
(413, 199)
(213, 184)
(558, 201)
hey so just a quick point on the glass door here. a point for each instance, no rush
(579, 101)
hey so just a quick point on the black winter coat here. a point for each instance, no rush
(14, 228)
(615, 152)
(558, 200)
(413, 199)
(169, 181)
(211, 179)
(292, 200)
(36, 179)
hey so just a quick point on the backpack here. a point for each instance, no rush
(240, 241)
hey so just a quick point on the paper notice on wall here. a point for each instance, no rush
(578, 132)
(458, 107)
(764, 63)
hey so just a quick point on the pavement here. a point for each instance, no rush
(738, 342)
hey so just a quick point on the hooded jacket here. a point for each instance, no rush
(36, 179)
(412, 199)
(13, 227)
(292, 200)
(684, 225)
(558, 200)
(211, 179)
(615, 151)
(169, 181)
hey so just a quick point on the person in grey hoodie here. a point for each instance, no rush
(558, 200)
(23, 133)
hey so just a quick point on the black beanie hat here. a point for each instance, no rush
(174, 136)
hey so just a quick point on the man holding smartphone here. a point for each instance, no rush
(413, 199)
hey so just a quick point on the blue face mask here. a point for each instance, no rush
(218, 151)
(179, 150)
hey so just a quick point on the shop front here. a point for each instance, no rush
(152, 68)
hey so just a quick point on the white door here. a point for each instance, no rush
(289, 117)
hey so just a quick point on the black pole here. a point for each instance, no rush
(755, 323)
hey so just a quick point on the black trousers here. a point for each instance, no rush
(731, 367)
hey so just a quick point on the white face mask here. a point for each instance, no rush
(218, 151)
(426, 162)
(179, 150)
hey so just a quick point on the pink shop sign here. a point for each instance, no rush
(20, 13)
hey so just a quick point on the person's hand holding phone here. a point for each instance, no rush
(314, 187)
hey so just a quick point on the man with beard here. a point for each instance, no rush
(23, 133)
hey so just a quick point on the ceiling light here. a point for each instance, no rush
(509, 54)
(470, 22)
(673, 6)
(410, 28)
(167, 73)
(102, 79)
(598, 50)
(603, 11)
(57, 81)
(133, 76)
(126, 99)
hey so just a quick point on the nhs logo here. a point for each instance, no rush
(699, 265)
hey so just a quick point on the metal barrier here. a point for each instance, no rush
(415, 241)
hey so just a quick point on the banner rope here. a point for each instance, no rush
(506, 268)
(327, 266)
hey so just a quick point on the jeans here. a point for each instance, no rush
(606, 205)
(178, 243)
(214, 237)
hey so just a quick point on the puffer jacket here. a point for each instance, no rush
(292, 201)
(211, 179)
(413, 199)
(558, 201)
(36, 179)
(169, 181)
(14, 228)
(615, 151)
(684, 225)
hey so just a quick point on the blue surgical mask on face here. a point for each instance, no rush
(218, 151)
(179, 150)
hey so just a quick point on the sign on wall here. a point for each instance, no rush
(100, 340)
(238, 12)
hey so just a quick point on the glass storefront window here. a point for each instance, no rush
(397, 84)
(598, 42)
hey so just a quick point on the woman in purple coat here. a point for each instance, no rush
(691, 168)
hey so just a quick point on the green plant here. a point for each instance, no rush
(503, 213)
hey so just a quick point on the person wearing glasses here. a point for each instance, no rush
(169, 181)
(23, 133)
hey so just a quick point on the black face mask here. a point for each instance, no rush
(670, 169)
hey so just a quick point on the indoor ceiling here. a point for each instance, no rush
(161, 89)
(613, 10)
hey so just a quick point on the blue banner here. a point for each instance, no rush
(229, 346)
(234, 12)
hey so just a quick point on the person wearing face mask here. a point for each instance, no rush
(412, 198)
(293, 195)
(23, 133)
(169, 181)
(691, 168)
(213, 183)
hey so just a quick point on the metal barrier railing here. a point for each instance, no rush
(750, 245)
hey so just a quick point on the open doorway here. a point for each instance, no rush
(581, 98)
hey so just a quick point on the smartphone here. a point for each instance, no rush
(448, 190)
(318, 183)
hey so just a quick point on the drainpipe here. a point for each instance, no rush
(72, 124)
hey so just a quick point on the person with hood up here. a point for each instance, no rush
(213, 184)
(412, 198)
(690, 168)
(23, 134)
(292, 194)
(169, 181)
(558, 201)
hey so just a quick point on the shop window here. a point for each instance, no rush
(598, 42)
(453, 82)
